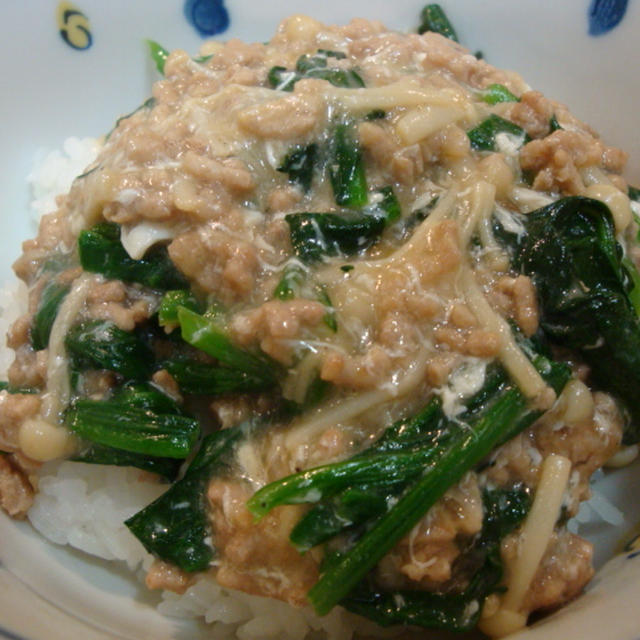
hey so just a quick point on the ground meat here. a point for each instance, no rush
(218, 262)
(356, 372)
(449, 145)
(258, 557)
(533, 113)
(427, 554)
(29, 369)
(163, 379)
(113, 301)
(230, 173)
(521, 300)
(15, 408)
(378, 144)
(407, 164)
(19, 332)
(16, 492)
(276, 323)
(464, 66)
(557, 159)
(562, 574)
(479, 343)
(54, 235)
(283, 199)
(587, 443)
(162, 575)
(301, 113)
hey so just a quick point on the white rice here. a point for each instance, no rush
(54, 172)
(85, 506)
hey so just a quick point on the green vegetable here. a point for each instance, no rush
(495, 93)
(168, 468)
(346, 168)
(330, 318)
(315, 66)
(133, 429)
(102, 252)
(176, 526)
(158, 54)
(147, 104)
(397, 457)
(281, 79)
(554, 125)
(52, 296)
(422, 459)
(483, 137)
(583, 287)
(202, 378)
(291, 282)
(350, 508)
(634, 290)
(299, 164)
(504, 510)
(5, 386)
(433, 18)
(376, 114)
(100, 344)
(202, 59)
(316, 235)
(634, 194)
(385, 204)
(207, 336)
(171, 302)
(143, 395)
(292, 285)
(417, 216)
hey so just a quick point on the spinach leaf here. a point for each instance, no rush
(504, 509)
(346, 168)
(133, 429)
(496, 93)
(300, 164)
(433, 18)
(102, 252)
(316, 235)
(100, 344)
(176, 527)
(483, 137)
(94, 453)
(315, 66)
(52, 296)
(583, 287)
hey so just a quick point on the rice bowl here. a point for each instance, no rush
(227, 611)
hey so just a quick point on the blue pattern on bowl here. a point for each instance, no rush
(9, 635)
(604, 15)
(73, 26)
(208, 17)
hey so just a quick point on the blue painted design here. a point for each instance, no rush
(74, 26)
(635, 554)
(9, 635)
(208, 17)
(604, 15)
(633, 544)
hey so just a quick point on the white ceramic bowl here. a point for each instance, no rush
(71, 70)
